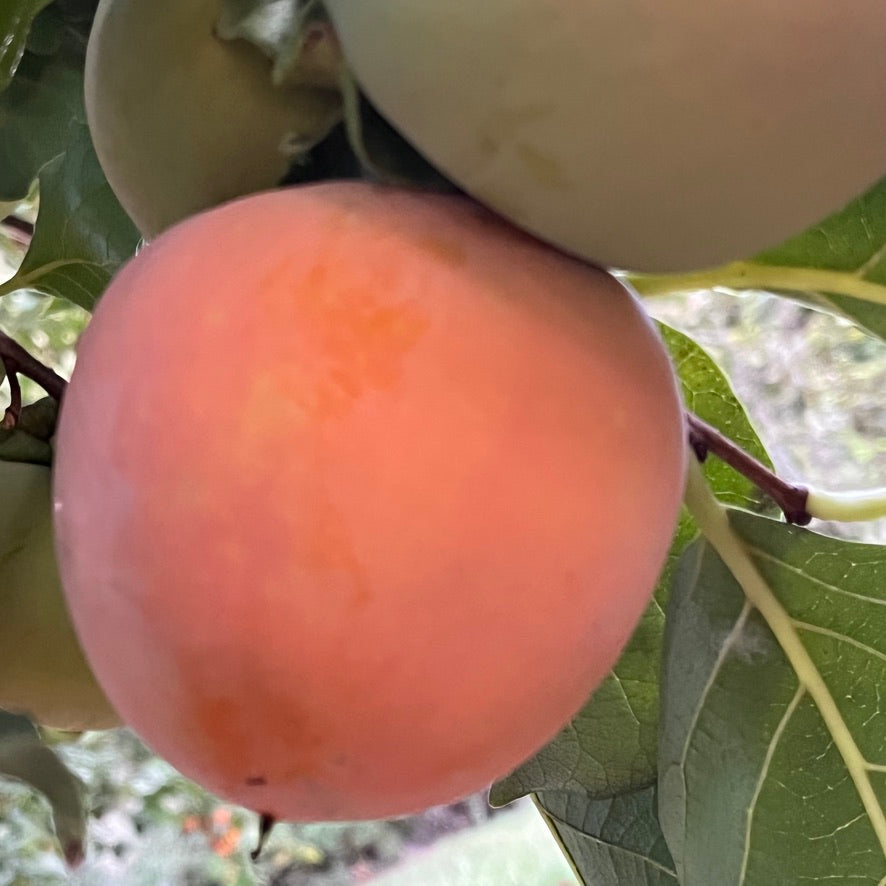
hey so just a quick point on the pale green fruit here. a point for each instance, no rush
(639, 134)
(182, 120)
(42, 669)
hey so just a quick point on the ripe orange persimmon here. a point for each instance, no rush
(360, 492)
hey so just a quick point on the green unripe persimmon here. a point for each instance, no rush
(182, 120)
(642, 135)
(42, 669)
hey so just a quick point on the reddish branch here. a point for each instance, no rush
(17, 361)
(791, 499)
(21, 230)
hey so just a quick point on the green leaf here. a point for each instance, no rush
(707, 392)
(82, 234)
(852, 242)
(39, 111)
(612, 842)
(611, 744)
(838, 265)
(47, 34)
(15, 727)
(29, 440)
(16, 17)
(753, 788)
(25, 758)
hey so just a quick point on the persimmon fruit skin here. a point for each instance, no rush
(359, 494)
(648, 136)
(42, 669)
(182, 120)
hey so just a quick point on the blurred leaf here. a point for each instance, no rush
(38, 112)
(752, 785)
(82, 234)
(19, 446)
(612, 842)
(78, 12)
(29, 440)
(15, 726)
(47, 32)
(39, 419)
(611, 745)
(16, 17)
(25, 758)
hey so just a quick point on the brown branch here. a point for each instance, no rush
(17, 361)
(790, 498)
(22, 231)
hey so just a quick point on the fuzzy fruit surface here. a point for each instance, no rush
(641, 135)
(359, 494)
(182, 120)
(42, 669)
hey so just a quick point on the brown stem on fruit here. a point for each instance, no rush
(20, 230)
(266, 824)
(17, 361)
(790, 498)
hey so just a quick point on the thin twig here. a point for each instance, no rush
(21, 230)
(790, 498)
(17, 361)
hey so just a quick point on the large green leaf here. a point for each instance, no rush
(82, 234)
(612, 842)
(755, 788)
(610, 746)
(16, 17)
(77, 244)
